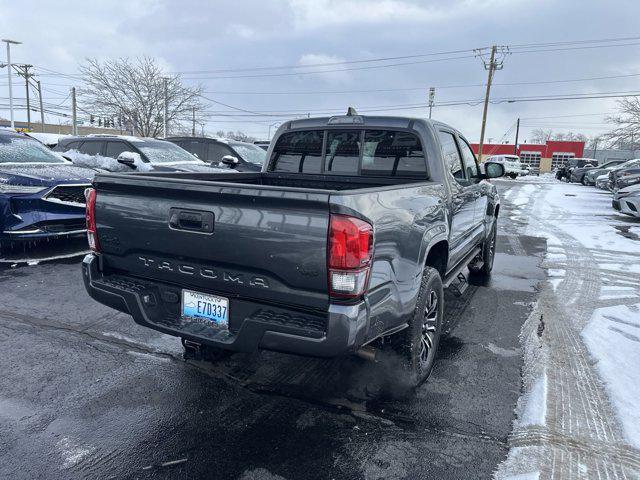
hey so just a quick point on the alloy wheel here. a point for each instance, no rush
(429, 329)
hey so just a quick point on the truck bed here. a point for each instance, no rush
(336, 183)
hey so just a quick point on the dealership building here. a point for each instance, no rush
(547, 156)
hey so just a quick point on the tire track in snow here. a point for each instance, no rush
(582, 437)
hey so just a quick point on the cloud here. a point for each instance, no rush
(311, 59)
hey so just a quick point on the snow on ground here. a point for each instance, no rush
(105, 163)
(578, 416)
(613, 338)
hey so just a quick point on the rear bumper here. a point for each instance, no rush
(253, 325)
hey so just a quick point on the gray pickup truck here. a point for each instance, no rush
(342, 244)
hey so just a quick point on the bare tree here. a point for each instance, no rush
(542, 136)
(626, 131)
(132, 94)
(539, 135)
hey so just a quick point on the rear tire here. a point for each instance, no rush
(488, 253)
(584, 181)
(418, 344)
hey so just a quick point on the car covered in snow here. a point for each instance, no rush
(625, 175)
(590, 174)
(512, 166)
(41, 193)
(220, 152)
(627, 200)
(122, 153)
(602, 182)
(51, 140)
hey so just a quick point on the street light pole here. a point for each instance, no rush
(9, 67)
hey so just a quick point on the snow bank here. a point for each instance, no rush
(613, 339)
(106, 163)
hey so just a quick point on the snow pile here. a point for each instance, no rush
(107, 163)
(613, 339)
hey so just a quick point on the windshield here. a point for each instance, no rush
(25, 150)
(164, 152)
(250, 153)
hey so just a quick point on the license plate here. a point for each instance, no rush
(204, 306)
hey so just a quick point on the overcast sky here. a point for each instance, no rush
(189, 36)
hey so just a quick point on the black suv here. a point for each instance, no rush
(240, 156)
(158, 154)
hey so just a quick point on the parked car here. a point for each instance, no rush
(563, 172)
(627, 200)
(625, 175)
(318, 254)
(113, 152)
(576, 163)
(41, 193)
(48, 139)
(512, 165)
(590, 174)
(577, 174)
(531, 170)
(602, 182)
(240, 156)
(263, 144)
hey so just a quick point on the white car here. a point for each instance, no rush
(627, 200)
(512, 165)
(602, 181)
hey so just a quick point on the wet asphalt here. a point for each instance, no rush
(86, 393)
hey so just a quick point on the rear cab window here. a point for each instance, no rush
(363, 152)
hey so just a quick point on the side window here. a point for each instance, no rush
(342, 153)
(451, 156)
(298, 152)
(116, 148)
(193, 147)
(217, 151)
(64, 147)
(389, 153)
(91, 148)
(468, 160)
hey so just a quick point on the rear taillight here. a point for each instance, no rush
(92, 233)
(349, 256)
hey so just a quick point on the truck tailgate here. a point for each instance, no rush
(248, 241)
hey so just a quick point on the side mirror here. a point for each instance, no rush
(493, 170)
(129, 159)
(230, 160)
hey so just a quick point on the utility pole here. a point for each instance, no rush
(23, 71)
(41, 109)
(74, 114)
(493, 65)
(193, 127)
(166, 108)
(515, 145)
(9, 42)
(432, 96)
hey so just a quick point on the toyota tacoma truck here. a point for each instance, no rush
(341, 244)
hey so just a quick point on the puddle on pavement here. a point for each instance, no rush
(624, 230)
(513, 272)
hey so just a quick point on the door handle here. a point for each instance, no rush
(191, 220)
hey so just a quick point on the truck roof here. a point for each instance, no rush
(360, 120)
